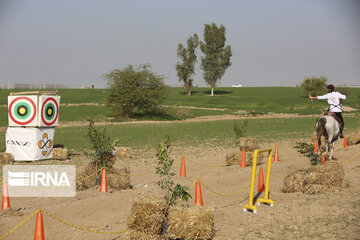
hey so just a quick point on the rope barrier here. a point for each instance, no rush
(130, 174)
(17, 226)
(80, 180)
(219, 165)
(352, 159)
(78, 227)
(226, 195)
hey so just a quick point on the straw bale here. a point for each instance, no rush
(88, 182)
(139, 235)
(235, 159)
(6, 158)
(249, 144)
(193, 222)
(147, 215)
(293, 182)
(354, 138)
(120, 179)
(59, 153)
(313, 180)
(123, 152)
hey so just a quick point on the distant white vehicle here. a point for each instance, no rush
(236, 85)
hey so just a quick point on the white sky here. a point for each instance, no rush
(274, 42)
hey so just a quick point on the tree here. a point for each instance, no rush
(186, 68)
(314, 86)
(217, 55)
(135, 89)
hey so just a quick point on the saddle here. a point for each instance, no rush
(334, 116)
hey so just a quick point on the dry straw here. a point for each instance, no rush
(193, 222)
(118, 179)
(6, 158)
(313, 180)
(59, 153)
(235, 158)
(147, 215)
(249, 144)
(123, 152)
(139, 235)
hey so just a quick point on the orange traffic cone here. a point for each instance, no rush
(5, 204)
(316, 149)
(345, 142)
(182, 167)
(323, 158)
(103, 183)
(39, 227)
(243, 159)
(198, 195)
(276, 154)
(261, 186)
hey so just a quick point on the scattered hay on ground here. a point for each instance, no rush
(59, 153)
(192, 222)
(6, 158)
(249, 144)
(326, 177)
(235, 159)
(147, 215)
(139, 235)
(11, 212)
(123, 152)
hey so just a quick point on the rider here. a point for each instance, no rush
(333, 98)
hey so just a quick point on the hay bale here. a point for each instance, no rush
(249, 144)
(6, 158)
(147, 215)
(235, 159)
(59, 153)
(82, 179)
(354, 138)
(190, 222)
(313, 180)
(293, 182)
(123, 152)
(139, 235)
(119, 178)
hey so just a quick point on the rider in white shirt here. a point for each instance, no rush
(333, 98)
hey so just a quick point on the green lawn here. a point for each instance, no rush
(226, 100)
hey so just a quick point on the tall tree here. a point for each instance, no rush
(186, 68)
(217, 55)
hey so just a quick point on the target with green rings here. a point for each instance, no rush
(49, 110)
(22, 110)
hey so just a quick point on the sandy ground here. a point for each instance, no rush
(334, 215)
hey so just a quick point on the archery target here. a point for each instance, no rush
(22, 111)
(49, 111)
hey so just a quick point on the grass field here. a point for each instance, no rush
(91, 103)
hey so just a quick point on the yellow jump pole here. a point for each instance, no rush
(251, 206)
(266, 195)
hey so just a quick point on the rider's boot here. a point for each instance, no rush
(341, 134)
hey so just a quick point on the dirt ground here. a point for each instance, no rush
(334, 215)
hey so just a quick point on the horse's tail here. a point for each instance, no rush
(320, 129)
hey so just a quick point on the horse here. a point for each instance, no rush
(328, 127)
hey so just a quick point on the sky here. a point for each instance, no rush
(274, 42)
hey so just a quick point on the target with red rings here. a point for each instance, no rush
(49, 110)
(22, 110)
